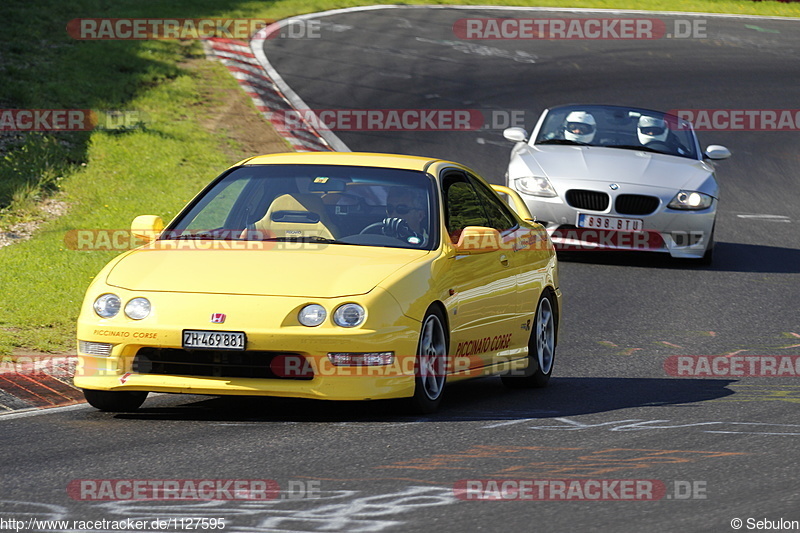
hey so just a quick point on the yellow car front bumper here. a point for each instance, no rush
(336, 387)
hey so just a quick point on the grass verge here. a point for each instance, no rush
(108, 177)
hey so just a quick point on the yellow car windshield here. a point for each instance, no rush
(334, 204)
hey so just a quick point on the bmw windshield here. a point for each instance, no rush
(618, 127)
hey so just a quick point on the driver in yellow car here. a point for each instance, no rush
(406, 212)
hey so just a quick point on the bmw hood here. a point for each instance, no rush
(327, 272)
(615, 165)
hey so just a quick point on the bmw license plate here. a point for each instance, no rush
(610, 223)
(214, 340)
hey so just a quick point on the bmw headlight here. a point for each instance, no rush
(312, 315)
(349, 315)
(138, 308)
(691, 200)
(107, 305)
(536, 186)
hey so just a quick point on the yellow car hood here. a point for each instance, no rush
(329, 272)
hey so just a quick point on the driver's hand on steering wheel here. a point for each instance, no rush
(399, 229)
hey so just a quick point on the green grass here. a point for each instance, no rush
(109, 177)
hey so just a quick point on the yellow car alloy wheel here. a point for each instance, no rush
(541, 348)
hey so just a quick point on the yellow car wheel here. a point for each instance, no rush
(115, 401)
(541, 348)
(431, 364)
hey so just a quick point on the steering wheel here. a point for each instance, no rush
(659, 145)
(371, 229)
(396, 228)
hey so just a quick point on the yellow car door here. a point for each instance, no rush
(484, 322)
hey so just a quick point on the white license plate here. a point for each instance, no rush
(610, 223)
(214, 340)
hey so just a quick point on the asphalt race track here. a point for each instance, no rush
(705, 450)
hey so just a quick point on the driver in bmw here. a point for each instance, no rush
(405, 210)
(652, 129)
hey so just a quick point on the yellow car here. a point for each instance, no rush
(337, 276)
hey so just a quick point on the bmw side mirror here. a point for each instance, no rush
(518, 135)
(715, 151)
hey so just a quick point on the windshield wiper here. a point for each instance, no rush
(305, 238)
(195, 236)
(562, 141)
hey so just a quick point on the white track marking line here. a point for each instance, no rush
(766, 218)
(44, 411)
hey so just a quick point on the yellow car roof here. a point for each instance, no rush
(361, 159)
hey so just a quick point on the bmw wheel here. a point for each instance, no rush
(708, 257)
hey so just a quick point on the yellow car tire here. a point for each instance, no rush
(115, 401)
(431, 364)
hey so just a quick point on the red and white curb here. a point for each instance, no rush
(268, 97)
(33, 385)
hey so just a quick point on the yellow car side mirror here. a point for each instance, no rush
(478, 240)
(147, 227)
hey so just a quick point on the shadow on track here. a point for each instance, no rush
(728, 257)
(483, 399)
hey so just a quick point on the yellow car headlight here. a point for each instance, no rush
(107, 305)
(312, 315)
(349, 315)
(138, 308)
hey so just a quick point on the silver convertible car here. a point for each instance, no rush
(618, 178)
